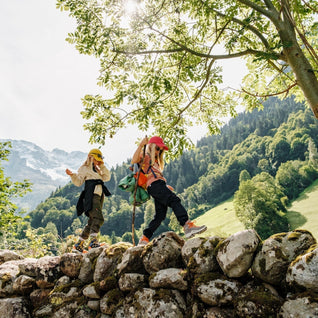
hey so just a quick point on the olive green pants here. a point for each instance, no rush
(95, 219)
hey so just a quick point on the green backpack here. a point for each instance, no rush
(128, 184)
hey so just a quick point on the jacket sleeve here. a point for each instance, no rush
(78, 178)
(105, 173)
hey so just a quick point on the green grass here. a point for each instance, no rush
(221, 220)
(302, 214)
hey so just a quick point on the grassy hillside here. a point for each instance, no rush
(221, 220)
(303, 213)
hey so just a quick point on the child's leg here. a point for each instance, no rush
(178, 209)
(86, 230)
(164, 197)
(160, 215)
(97, 220)
(167, 197)
(96, 215)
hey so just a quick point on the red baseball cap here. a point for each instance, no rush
(158, 141)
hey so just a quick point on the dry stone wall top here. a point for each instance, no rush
(237, 276)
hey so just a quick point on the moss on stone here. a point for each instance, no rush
(293, 236)
(206, 252)
(94, 262)
(308, 253)
(97, 286)
(152, 276)
(312, 248)
(80, 301)
(115, 297)
(278, 237)
(147, 249)
(266, 303)
(309, 257)
(108, 283)
(222, 245)
(117, 249)
(163, 294)
(207, 277)
(262, 297)
(301, 231)
(65, 288)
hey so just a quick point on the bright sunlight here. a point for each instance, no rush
(130, 8)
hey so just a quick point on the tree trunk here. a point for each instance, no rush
(300, 65)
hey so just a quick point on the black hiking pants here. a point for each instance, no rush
(164, 198)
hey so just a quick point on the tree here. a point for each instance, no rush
(259, 204)
(313, 154)
(279, 151)
(9, 217)
(294, 176)
(244, 175)
(159, 62)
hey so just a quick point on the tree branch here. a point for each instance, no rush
(197, 94)
(256, 7)
(269, 95)
(249, 27)
(309, 6)
(148, 52)
(203, 55)
(270, 5)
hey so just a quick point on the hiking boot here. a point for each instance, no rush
(78, 247)
(93, 243)
(144, 240)
(190, 229)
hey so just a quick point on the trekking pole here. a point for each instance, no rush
(135, 192)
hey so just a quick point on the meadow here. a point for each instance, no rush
(301, 214)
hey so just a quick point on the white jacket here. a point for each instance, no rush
(86, 172)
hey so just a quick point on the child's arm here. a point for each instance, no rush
(137, 155)
(76, 178)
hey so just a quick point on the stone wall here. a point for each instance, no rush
(239, 276)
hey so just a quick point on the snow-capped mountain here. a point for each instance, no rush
(45, 169)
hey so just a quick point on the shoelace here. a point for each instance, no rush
(191, 224)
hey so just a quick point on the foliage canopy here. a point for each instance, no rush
(158, 62)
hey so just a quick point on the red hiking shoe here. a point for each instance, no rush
(190, 229)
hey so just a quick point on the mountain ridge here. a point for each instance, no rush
(44, 169)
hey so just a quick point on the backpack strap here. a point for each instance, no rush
(150, 168)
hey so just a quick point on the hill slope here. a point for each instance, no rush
(221, 220)
(302, 214)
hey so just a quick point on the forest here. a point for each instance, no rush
(263, 158)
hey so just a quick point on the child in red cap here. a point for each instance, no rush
(152, 165)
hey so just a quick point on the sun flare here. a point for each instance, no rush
(130, 7)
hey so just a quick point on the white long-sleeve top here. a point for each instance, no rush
(86, 172)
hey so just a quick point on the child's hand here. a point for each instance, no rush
(97, 167)
(144, 142)
(69, 172)
(90, 159)
(170, 187)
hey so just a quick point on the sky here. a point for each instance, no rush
(43, 79)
